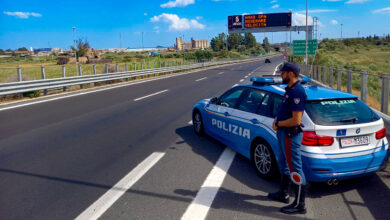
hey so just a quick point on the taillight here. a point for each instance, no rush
(310, 138)
(381, 133)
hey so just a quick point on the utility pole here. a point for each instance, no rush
(75, 49)
(341, 31)
(307, 32)
(120, 40)
(142, 41)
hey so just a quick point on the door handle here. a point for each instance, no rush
(226, 114)
(255, 121)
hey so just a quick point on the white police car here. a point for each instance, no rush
(342, 137)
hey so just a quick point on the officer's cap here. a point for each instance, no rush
(289, 67)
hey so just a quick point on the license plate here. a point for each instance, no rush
(355, 141)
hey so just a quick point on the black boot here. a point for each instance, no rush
(282, 194)
(298, 206)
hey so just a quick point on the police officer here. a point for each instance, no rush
(288, 126)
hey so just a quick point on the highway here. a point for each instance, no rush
(129, 152)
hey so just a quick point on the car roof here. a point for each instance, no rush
(313, 92)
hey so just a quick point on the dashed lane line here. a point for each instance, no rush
(143, 97)
(242, 80)
(220, 73)
(201, 79)
(108, 199)
(200, 206)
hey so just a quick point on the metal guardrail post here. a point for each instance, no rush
(159, 63)
(339, 74)
(324, 76)
(43, 77)
(331, 77)
(19, 70)
(126, 70)
(363, 87)
(94, 72)
(106, 68)
(116, 68)
(80, 74)
(319, 73)
(349, 81)
(135, 66)
(148, 65)
(142, 66)
(63, 76)
(385, 93)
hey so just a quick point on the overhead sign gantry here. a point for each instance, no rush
(255, 23)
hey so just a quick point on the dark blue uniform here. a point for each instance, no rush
(294, 100)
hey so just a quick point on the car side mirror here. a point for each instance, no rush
(214, 100)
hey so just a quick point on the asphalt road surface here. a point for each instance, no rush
(130, 153)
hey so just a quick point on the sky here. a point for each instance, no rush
(137, 23)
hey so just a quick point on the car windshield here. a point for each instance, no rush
(340, 112)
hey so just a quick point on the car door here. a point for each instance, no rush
(245, 120)
(218, 118)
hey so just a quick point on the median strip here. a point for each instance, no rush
(111, 196)
(150, 95)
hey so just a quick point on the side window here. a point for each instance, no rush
(230, 98)
(251, 100)
(264, 108)
(277, 102)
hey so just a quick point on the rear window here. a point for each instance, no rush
(340, 112)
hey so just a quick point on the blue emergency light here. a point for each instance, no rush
(275, 79)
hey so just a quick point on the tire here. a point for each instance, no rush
(264, 160)
(197, 123)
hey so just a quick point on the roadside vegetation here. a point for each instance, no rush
(371, 54)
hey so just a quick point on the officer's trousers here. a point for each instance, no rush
(290, 158)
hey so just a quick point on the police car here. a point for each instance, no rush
(342, 137)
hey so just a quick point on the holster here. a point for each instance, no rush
(292, 131)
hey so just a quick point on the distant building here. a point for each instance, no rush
(192, 45)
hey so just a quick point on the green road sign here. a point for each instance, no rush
(299, 47)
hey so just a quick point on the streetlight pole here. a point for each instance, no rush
(307, 32)
(75, 50)
(341, 31)
(142, 41)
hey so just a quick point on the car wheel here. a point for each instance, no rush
(197, 123)
(264, 160)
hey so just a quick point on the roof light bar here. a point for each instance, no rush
(274, 79)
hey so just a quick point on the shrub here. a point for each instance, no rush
(32, 94)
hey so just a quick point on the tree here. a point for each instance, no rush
(235, 40)
(218, 43)
(249, 40)
(82, 47)
(1, 51)
(266, 44)
(22, 49)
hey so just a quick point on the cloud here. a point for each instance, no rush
(275, 6)
(176, 23)
(356, 1)
(145, 14)
(332, 0)
(334, 22)
(23, 15)
(274, 1)
(300, 20)
(382, 11)
(318, 11)
(177, 3)
(156, 29)
(199, 17)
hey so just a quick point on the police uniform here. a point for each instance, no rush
(290, 139)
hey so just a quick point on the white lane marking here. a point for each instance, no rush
(156, 93)
(235, 85)
(249, 74)
(201, 79)
(242, 80)
(245, 77)
(190, 122)
(108, 199)
(220, 73)
(200, 206)
(277, 68)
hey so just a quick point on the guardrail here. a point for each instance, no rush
(64, 82)
(373, 85)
